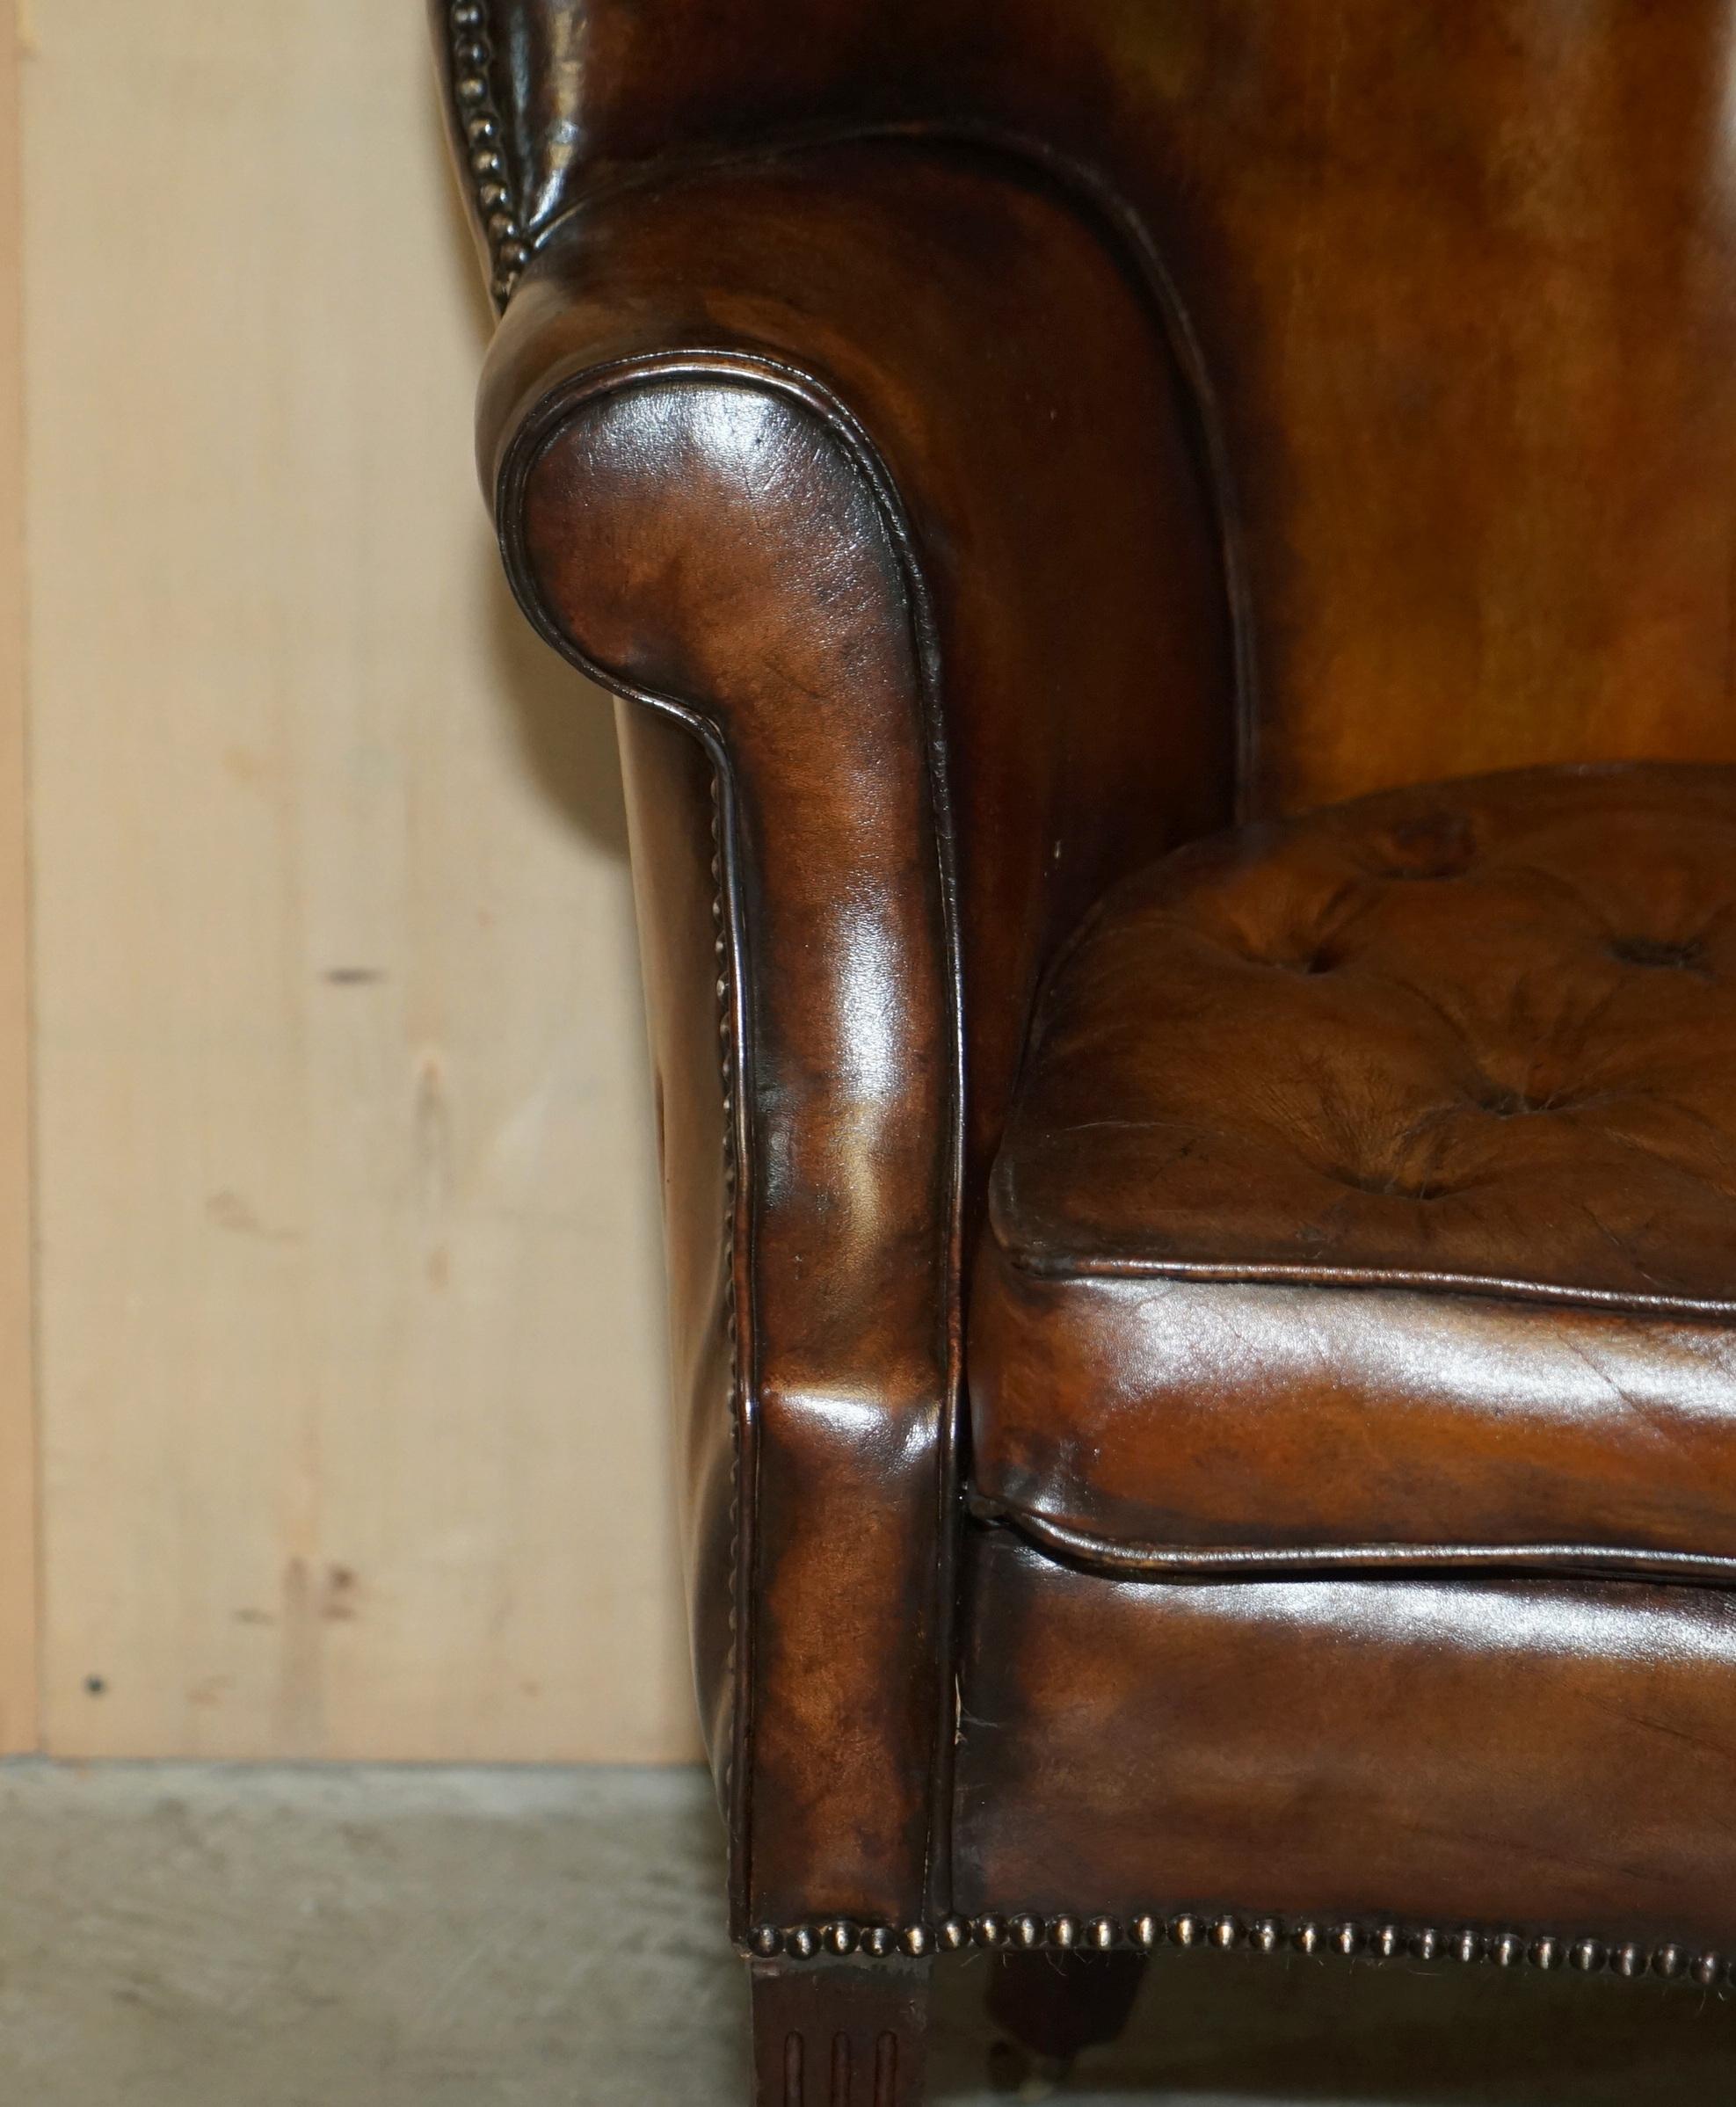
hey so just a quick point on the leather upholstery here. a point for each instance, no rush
(1503, 1753)
(785, 456)
(984, 446)
(1372, 1186)
(1449, 267)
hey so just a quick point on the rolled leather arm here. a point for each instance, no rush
(864, 472)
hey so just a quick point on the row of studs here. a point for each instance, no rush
(1261, 1935)
(726, 1032)
(479, 123)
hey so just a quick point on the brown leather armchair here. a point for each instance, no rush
(1205, 1311)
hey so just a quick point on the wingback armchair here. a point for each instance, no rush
(1168, 568)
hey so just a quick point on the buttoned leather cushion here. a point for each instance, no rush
(1370, 1193)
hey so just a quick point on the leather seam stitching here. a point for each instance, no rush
(1211, 1562)
(1368, 1280)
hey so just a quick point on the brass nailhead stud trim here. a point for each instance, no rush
(479, 123)
(720, 944)
(1028, 1932)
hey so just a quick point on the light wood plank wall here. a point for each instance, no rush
(18, 1596)
(351, 1389)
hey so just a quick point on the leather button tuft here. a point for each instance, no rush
(1526, 1072)
(1688, 957)
(1434, 845)
(1387, 1188)
(1508, 1104)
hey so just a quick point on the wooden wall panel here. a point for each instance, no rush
(354, 1428)
(18, 1443)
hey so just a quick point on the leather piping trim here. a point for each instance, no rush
(1255, 1562)
(1085, 189)
(1023, 1931)
(1373, 1279)
(477, 121)
(538, 430)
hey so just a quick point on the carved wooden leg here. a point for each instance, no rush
(1055, 2004)
(831, 2033)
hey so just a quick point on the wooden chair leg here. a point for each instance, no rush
(832, 2033)
(1055, 2004)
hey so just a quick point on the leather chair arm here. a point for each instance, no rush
(866, 466)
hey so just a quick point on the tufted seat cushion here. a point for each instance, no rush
(1370, 1195)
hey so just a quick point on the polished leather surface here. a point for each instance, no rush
(841, 1338)
(1012, 385)
(1504, 1754)
(786, 455)
(1173, 404)
(1372, 1183)
(1458, 273)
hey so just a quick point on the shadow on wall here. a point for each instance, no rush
(565, 723)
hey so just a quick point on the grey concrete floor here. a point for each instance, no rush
(174, 1935)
